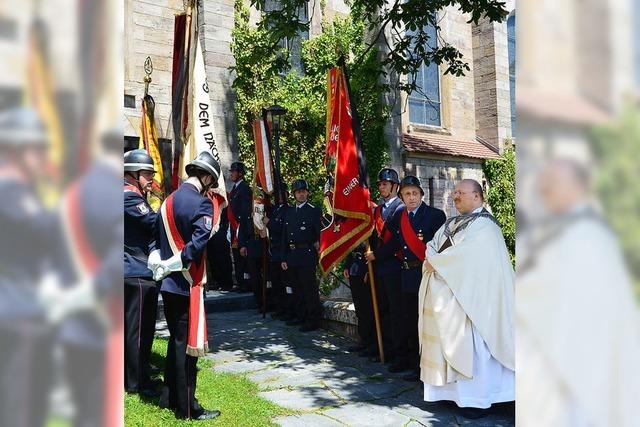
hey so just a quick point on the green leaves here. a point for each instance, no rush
(259, 84)
(399, 26)
(501, 179)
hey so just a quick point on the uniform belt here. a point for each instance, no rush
(300, 245)
(408, 265)
(136, 252)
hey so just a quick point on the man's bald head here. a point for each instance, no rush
(563, 184)
(468, 196)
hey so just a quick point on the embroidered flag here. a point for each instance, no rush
(352, 220)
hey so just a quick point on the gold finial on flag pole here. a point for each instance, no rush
(148, 69)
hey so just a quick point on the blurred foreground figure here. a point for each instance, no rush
(25, 334)
(577, 325)
(467, 308)
(184, 226)
(89, 303)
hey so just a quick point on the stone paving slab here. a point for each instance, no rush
(311, 420)
(313, 375)
(304, 398)
(367, 414)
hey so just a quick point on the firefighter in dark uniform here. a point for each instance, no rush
(387, 265)
(219, 255)
(258, 256)
(239, 215)
(414, 226)
(25, 336)
(193, 216)
(301, 241)
(140, 291)
(279, 283)
(91, 331)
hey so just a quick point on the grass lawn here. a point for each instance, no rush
(233, 394)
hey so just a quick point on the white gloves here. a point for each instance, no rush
(60, 302)
(162, 268)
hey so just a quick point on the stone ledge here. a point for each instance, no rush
(340, 317)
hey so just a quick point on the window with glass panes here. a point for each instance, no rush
(424, 102)
(511, 34)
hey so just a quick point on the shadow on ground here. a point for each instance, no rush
(312, 374)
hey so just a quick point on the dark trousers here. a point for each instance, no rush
(141, 309)
(410, 308)
(219, 257)
(306, 294)
(25, 371)
(241, 270)
(361, 294)
(85, 372)
(256, 272)
(289, 298)
(392, 291)
(410, 287)
(180, 368)
(278, 293)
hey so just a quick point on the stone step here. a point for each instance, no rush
(220, 301)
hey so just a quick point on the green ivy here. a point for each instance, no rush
(617, 148)
(303, 94)
(501, 196)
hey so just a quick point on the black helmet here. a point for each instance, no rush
(299, 184)
(20, 127)
(204, 162)
(388, 174)
(409, 181)
(138, 160)
(237, 166)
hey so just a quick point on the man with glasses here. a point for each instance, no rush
(466, 308)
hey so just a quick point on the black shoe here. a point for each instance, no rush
(356, 348)
(473, 413)
(309, 328)
(235, 289)
(295, 322)
(398, 367)
(205, 414)
(413, 376)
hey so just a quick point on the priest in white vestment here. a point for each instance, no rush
(466, 308)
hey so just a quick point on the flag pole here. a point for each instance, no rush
(374, 302)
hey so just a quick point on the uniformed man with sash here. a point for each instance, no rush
(387, 264)
(140, 292)
(184, 226)
(418, 222)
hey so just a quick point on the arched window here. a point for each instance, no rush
(511, 34)
(424, 103)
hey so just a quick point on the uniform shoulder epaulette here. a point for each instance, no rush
(310, 205)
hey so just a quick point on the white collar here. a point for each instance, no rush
(477, 210)
(300, 205)
(193, 180)
(387, 203)
(235, 184)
